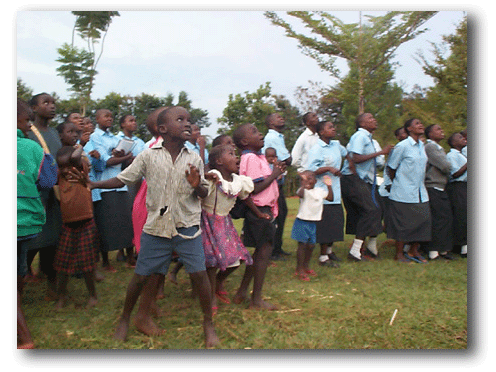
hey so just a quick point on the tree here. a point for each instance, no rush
(78, 66)
(23, 91)
(368, 47)
(445, 103)
(248, 108)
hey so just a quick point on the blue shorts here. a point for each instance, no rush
(156, 252)
(304, 231)
(22, 254)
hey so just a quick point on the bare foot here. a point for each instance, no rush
(121, 331)
(238, 299)
(26, 345)
(262, 305)
(92, 302)
(99, 276)
(147, 326)
(211, 338)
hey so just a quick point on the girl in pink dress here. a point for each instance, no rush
(223, 247)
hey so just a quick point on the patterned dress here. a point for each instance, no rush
(221, 242)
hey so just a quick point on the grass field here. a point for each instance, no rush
(349, 307)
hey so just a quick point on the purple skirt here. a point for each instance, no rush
(221, 242)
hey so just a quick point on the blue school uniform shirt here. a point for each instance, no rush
(104, 143)
(457, 160)
(196, 148)
(361, 143)
(327, 155)
(276, 140)
(410, 160)
(97, 167)
(139, 144)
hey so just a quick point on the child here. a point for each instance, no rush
(43, 106)
(325, 157)
(222, 245)
(174, 175)
(34, 169)
(117, 231)
(304, 227)
(77, 251)
(257, 232)
(271, 156)
(197, 143)
(457, 191)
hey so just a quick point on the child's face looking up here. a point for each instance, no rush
(176, 124)
(229, 161)
(69, 135)
(253, 138)
(45, 107)
(328, 130)
(105, 119)
(308, 181)
(130, 124)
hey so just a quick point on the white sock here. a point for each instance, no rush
(329, 250)
(463, 250)
(323, 258)
(406, 248)
(433, 254)
(372, 245)
(355, 248)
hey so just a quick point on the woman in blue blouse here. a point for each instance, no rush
(410, 216)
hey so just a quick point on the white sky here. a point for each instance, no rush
(208, 54)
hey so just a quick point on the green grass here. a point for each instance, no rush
(349, 307)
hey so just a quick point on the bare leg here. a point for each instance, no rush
(221, 278)
(201, 283)
(260, 262)
(172, 275)
(399, 251)
(300, 258)
(160, 287)
(133, 291)
(25, 340)
(308, 249)
(63, 279)
(211, 273)
(131, 262)
(89, 278)
(148, 306)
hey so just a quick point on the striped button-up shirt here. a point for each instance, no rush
(170, 199)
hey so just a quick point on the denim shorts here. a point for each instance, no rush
(22, 254)
(304, 231)
(156, 252)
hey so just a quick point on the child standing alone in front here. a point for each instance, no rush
(78, 247)
(257, 232)
(174, 175)
(304, 227)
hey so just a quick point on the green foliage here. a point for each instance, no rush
(446, 102)
(23, 91)
(368, 47)
(90, 25)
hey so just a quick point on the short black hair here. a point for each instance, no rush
(239, 134)
(397, 131)
(218, 140)
(24, 108)
(452, 138)
(215, 153)
(407, 125)
(35, 99)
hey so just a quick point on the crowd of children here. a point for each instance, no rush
(83, 192)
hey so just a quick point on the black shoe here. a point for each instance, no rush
(328, 263)
(352, 258)
(463, 255)
(370, 254)
(277, 257)
(332, 256)
(448, 256)
(285, 253)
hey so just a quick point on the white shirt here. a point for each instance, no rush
(301, 147)
(311, 205)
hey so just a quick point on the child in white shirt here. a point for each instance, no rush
(304, 228)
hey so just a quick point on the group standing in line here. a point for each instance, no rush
(112, 200)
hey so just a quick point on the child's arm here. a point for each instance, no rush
(351, 163)
(334, 171)
(250, 204)
(111, 183)
(76, 156)
(194, 178)
(328, 181)
(300, 192)
(279, 169)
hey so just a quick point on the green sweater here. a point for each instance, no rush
(30, 210)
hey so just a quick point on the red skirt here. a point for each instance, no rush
(78, 248)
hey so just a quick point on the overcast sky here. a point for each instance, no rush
(208, 54)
